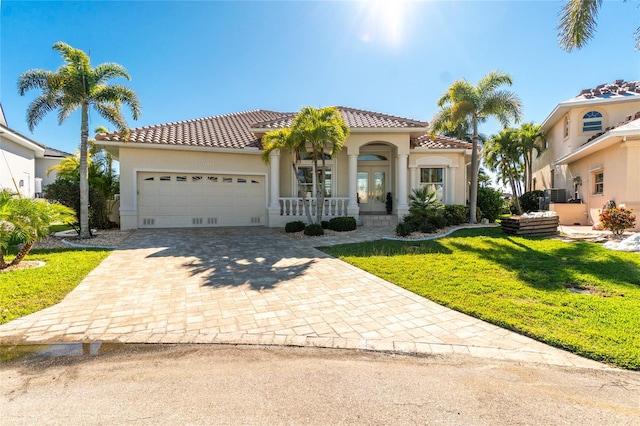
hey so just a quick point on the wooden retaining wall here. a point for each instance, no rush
(518, 225)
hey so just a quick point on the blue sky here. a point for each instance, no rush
(196, 59)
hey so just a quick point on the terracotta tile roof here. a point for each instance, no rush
(234, 130)
(628, 119)
(222, 131)
(618, 88)
(439, 142)
(355, 119)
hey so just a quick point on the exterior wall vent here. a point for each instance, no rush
(256, 219)
(212, 220)
(196, 221)
(148, 221)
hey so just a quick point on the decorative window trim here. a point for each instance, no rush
(567, 127)
(440, 192)
(598, 183)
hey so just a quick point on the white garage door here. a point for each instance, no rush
(177, 200)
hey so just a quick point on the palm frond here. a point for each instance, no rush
(39, 108)
(117, 95)
(577, 23)
(33, 79)
(493, 81)
(105, 72)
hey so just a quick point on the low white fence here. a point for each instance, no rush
(333, 207)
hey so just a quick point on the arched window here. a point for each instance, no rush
(592, 121)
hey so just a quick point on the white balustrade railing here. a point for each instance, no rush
(333, 207)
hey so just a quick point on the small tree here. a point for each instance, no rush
(26, 221)
(422, 203)
(617, 220)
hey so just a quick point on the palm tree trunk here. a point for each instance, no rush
(3, 264)
(473, 191)
(84, 174)
(26, 248)
(302, 193)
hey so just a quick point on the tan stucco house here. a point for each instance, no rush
(24, 162)
(592, 153)
(209, 171)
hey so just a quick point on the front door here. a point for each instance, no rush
(372, 189)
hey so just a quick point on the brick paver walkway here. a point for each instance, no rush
(259, 286)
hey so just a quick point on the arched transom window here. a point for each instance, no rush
(592, 121)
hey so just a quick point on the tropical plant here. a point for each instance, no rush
(530, 201)
(490, 203)
(282, 140)
(76, 85)
(422, 203)
(578, 24)
(617, 220)
(504, 156)
(474, 104)
(26, 221)
(530, 139)
(318, 132)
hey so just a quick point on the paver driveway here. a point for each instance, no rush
(258, 286)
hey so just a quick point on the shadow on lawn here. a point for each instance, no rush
(231, 257)
(574, 264)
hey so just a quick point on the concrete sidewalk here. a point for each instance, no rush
(258, 286)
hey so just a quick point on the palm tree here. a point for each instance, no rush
(578, 24)
(281, 139)
(474, 104)
(318, 132)
(76, 85)
(530, 138)
(26, 221)
(503, 155)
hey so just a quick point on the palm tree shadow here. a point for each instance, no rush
(571, 265)
(229, 257)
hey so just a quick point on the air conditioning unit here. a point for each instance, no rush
(556, 195)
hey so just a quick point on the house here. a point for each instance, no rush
(592, 153)
(209, 171)
(24, 162)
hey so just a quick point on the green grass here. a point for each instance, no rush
(25, 291)
(522, 284)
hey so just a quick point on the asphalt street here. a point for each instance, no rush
(216, 384)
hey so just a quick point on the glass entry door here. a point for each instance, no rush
(372, 189)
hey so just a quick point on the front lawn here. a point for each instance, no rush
(577, 296)
(25, 291)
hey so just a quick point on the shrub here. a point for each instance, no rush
(437, 220)
(342, 224)
(313, 230)
(529, 201)
(295, 226)
(67, 193)
(411, 222)
(404, 229)
(617, 219)
(456, 214)
(428, 228)
(324, 224)
(490, 204)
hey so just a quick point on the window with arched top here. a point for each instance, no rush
(592, 121)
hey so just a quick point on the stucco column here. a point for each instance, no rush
(403, 208)
(413, 177)
(274, 172)
(451, 185)
(352, 208)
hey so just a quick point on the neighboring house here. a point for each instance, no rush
(24, 162)
(209, 171)
(593, 153)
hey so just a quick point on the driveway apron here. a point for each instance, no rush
(259, 286)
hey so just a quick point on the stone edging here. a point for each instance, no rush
(444, 234)
(76, 245)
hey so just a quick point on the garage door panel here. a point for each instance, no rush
(195, 200)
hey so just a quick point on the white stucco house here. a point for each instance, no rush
(24, 162)
(209, 171)
(592, 153)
